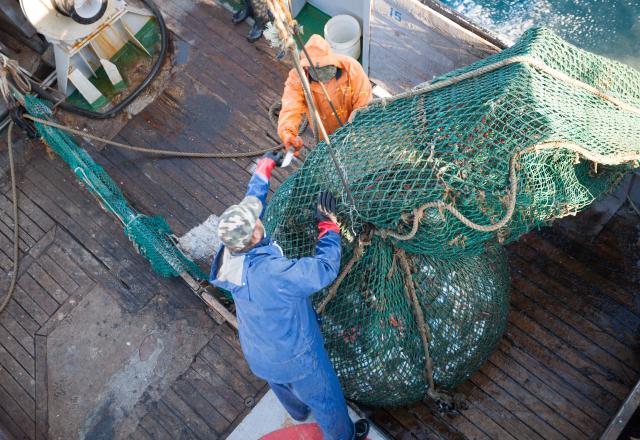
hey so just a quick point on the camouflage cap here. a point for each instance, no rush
(238, 221)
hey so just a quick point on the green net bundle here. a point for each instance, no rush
(150, 235)
(447, 173)
(370, 333)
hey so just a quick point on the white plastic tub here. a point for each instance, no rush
(343, 34)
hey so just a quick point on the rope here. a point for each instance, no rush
(443, 400)
(11, 68)
(418, 213)
(284, 24)
(16, 229)
(357, 255)
(533, 62)
(172, 153)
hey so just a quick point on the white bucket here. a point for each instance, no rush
(343, 34)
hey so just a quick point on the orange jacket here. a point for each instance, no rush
(350, 91)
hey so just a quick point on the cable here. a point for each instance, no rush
(172, 153)
(282, 20)
(16, 230)
(155, 69)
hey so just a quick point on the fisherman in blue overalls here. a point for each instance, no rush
(278, 327)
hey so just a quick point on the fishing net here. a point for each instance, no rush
(150, 235)
(442, 176)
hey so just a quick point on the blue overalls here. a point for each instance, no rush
(278, 327)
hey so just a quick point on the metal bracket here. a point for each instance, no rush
(205, 292)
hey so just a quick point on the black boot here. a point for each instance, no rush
(242, 14)
(362, 429)
(256, 30)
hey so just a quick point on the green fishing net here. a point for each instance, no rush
(448, 173)
(150, 235)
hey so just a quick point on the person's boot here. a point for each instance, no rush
(242, 14)
(256, 30)
(362, 429)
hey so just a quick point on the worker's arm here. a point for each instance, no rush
(259, 182)
(293, 108)
(308, 275)
(361, 86)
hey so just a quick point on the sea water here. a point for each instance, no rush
(606, 27)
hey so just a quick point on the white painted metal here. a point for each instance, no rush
(380, 92)
(87, 8)
(82, 47)
(84, 86)
(410, 43)
(295, 6)
(43, 15)
(355, 8)
(112, 71)
(269, 415)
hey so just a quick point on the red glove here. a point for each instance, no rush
(326, 226)
(290, 140)
(265, 167)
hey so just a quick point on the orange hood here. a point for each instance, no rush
(320, 52)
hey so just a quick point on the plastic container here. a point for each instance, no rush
(343, 34)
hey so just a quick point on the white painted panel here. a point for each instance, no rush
(410, 44)
(87, 90)
(269, 415)
(356, 8)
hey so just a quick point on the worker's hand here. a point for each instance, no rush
(291, 140)
(275, 156)
(268, 162)
(326, 214)
(326, 208)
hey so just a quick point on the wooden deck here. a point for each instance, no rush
(569, 356)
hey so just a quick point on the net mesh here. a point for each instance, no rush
(150, 235)
(531, 134)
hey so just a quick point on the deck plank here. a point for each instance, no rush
(17, 332)
(155, 430)
(608, 315)
(192, 419)
(18, 394)
(493, 409)
(13, 347)
(576, 310)
(559, 328)
(16, 414)
(411, 423)
(21, 316)
(172, 423)
(45, 280)
(563, 369)
(538, 371)
(579, 361)
(201, 406)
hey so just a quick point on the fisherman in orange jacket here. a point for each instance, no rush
(346, 83)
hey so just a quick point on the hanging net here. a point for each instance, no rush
(150, 235)
(444, 175)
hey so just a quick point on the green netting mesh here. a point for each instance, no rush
(150, 235)
(451, 142)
